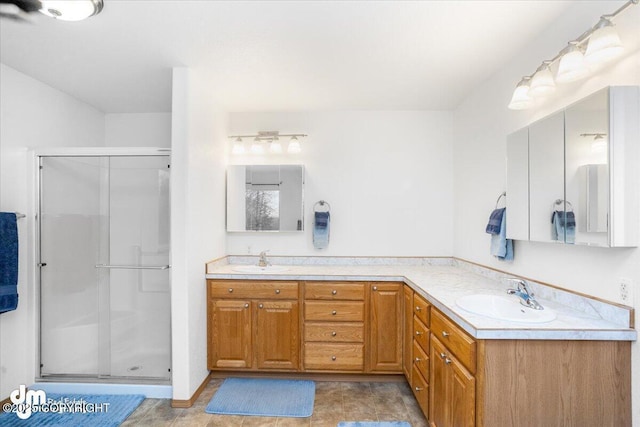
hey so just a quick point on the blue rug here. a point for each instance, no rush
(114, 409)
(264, 397)
(374, 424)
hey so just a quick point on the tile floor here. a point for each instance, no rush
(335, 402)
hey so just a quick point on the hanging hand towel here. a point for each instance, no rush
(501, 247)
(321, 224)
(8, 262)
(563, 226)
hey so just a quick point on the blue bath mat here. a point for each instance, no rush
(264, 397)
(100, 410)
(374, 424)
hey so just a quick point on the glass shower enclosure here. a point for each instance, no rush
(104, 250)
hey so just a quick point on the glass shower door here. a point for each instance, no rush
(104, 233)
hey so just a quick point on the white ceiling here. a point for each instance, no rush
(286, 55)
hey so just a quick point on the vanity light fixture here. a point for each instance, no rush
(268, 137)
(599, 143)
(71, 10)
(594, 47)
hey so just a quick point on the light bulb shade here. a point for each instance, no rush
(275, 147)
(542, 83)
(294, 145)
(238, 147)
(256, 147)
(599, 144)
(521, 99)
(604, 44)
(572, 65)
(71, 10)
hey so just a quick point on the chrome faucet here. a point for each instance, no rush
(526, 296)
(262, 262)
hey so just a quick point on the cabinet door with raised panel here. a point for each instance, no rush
(230, 334)
(463, 394)
(386, 318)
(277, 335)
(408, 332)
(438, 380)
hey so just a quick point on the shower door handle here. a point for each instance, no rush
(134, 267)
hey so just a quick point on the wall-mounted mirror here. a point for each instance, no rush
(265, 198)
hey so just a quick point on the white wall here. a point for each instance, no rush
(138, 130)
(32, 115)
(386, 174)
(197, 223)
(481, 124)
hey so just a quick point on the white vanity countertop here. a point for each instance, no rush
(581, 319)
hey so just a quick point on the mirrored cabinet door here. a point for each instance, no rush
(518, 185)
(546, 177)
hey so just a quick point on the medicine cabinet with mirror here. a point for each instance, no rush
(265, 198)
(577, 170)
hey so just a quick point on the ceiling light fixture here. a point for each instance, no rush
(71, 10)
(595, 46)
(270, 137)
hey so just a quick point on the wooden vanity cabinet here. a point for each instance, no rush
(385, 323)
(407, 331)
(420, 351)
(253, 325)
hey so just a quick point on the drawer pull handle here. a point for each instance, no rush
(418, 333)
(246, 305)
(230, 290)
(333, 358)
(375, 288)
(334, 292)
(419, 388)
(447, 361)
(260, 305)
(334, 312)
(277, 291)
(445, 334)
(442, 355)
(418, 359)
(418, 308)
(333, 334)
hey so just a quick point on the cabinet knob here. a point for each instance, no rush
(375, 288)
(334, 292)
(447, 361)
(277, 291)
(246, 305)
(260, 305)
(333, 358)
(445, 334)
(419, 388)
(418, 333)
(418, 359)
(334, 312)
(333, 334)
(230, 290)
(418, 308)
(442, 355)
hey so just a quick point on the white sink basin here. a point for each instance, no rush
(258, 269)
(504, 308)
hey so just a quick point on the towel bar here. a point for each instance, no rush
(321, 203)
(135, 267)
(503, 194)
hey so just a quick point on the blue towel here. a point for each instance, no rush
(563, 226)
(8, 262)
(501, 247)
(495, 221)
(321, 230)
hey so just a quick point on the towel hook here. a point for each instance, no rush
(321, 203)
(503, 194)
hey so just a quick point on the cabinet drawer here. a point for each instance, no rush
(334, 332)
(334, 291)
(461, 345)
(334, 357)
(334, 311)
(253, 289)
(421, 334)
(421, 309)
(420, 360)
(420, 389)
